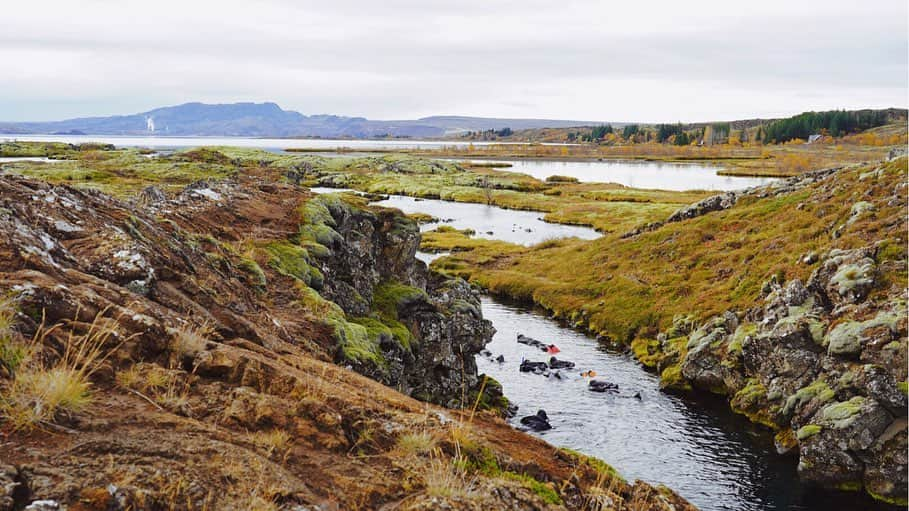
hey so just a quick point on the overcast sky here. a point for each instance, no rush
(634, 60)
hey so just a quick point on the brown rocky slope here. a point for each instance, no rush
(208, 362)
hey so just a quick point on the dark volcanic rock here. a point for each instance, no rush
(372, 251)
(822, 363)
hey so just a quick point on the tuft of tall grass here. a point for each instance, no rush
(189, 340)
(41, 390)
(274, 441)
(414, 444)
(11, 353)
(446, 479)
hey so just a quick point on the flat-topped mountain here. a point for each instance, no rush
(268, 120)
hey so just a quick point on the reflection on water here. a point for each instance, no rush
(13, 159)
(428, 258)
(635, 174)
(713, 458)
(490, 222)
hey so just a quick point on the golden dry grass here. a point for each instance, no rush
(188, 340)
(447, 479)
(41, 390)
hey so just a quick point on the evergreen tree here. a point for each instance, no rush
(630, 131)
(835, 122)
(599, 132)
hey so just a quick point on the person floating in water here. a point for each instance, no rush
(537, 422)
(603, 386)
(555, 363)
(529, 341)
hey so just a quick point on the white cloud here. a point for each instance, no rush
(589, 60)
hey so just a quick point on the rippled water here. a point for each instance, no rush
(715, 459)
(636, 174)
(490, 222)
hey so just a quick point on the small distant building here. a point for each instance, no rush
(814, 138)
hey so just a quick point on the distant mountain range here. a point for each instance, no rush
(269, 120)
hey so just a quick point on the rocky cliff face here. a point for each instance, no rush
(824, 366)
(424, 330)
(822, 362)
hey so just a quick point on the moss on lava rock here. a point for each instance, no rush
(292, 260)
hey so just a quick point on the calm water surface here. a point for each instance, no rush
(271, 144)
(13, 159)
(490, 222)
(635, 174)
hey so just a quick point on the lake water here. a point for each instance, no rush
(632, 173)
(13, 159)
(490, 222)
(270, 144)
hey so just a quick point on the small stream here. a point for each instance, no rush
(690, 442)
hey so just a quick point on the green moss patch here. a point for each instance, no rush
(808, 431)
(544, 490)
(842, 414)
(819, 391)
(292, 260)
(390, 296)
(356, 342)
(254, 273)
(751, 401)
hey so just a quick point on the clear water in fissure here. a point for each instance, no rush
(691, 443)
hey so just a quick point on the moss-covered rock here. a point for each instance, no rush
(819, 392)
(254, 272)
(808, 431)
(292, 260)
(841, 414)
(752, 402)
(848, 337)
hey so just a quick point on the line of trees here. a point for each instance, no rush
(834, 122)
(664, 131)
(600, 132)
